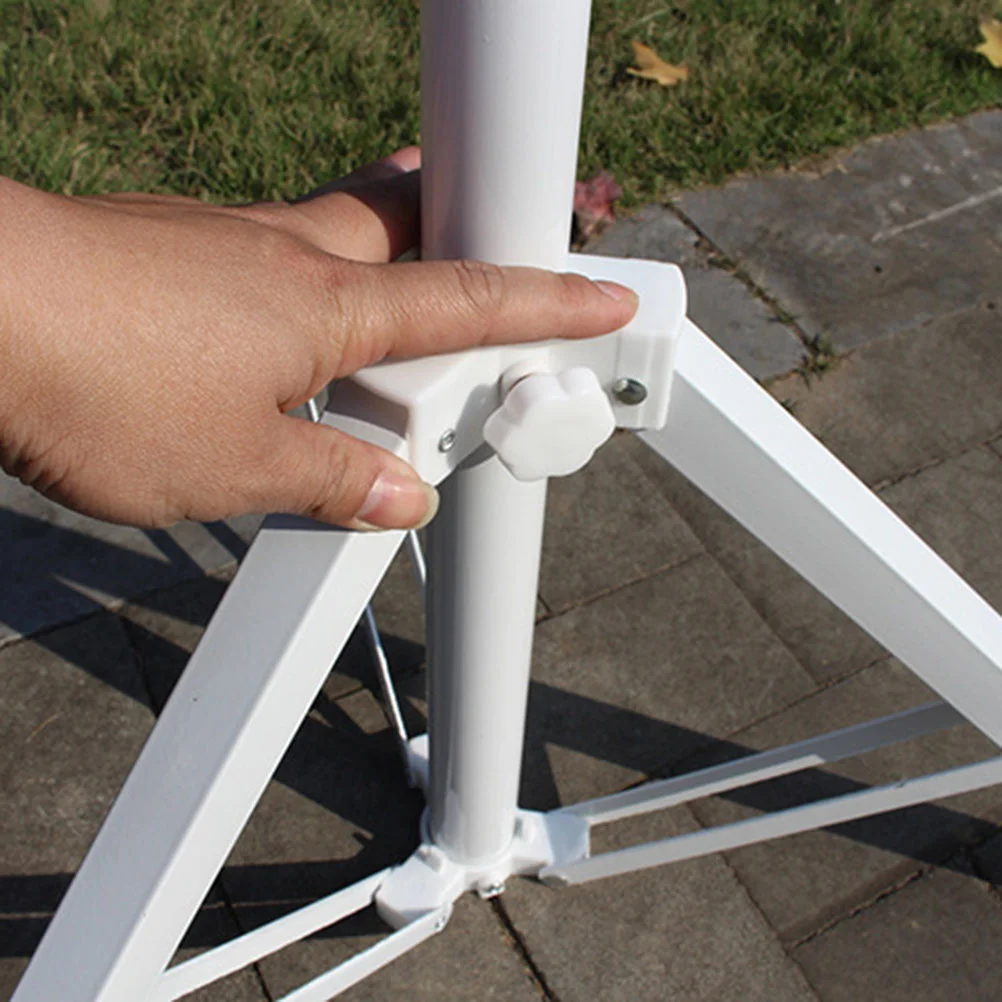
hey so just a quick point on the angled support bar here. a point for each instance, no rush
(262, 942)
(738, 445)
(771, 764)
(832, 811)
(342, 977)
(231, 717)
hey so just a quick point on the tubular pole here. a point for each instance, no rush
(501, 85)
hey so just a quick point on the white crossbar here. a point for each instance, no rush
(342, 977)
(823, 814)
(751, 769)
(238, 953)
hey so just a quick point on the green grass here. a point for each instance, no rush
(237, 99)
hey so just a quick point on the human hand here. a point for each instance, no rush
(151, 347)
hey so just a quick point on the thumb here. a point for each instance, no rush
(332, 477)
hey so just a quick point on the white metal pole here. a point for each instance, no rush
(501, 86)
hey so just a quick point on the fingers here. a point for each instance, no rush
(373, 222)
(425, 308)
(402, 162)
(371, 215)
(334, 478)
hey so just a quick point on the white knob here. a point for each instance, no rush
(550, 424)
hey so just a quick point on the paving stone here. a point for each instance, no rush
(934, 940)
(901, 231)
(165, 628)
(59, 566)
(988, 860)
(685, 932)
(73, 720)
(909, 400)
(642, 677)
(741, 323)
(605, 527)
(803, 881)
(823, 639)
(956, 507)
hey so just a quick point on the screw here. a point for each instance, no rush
(447, 441)
(629, 391)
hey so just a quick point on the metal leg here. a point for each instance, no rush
(768, 765)
(222, 734)
(832, 811)
(731, 439)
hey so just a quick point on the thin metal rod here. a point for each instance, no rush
(771, 764)
(237, 953)
(417, 560)
(342, 977)
(823, 814)
(390, 700)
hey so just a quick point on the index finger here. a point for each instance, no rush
(433, 307)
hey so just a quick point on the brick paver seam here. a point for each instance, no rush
(990, 443)
(521, 948)
(671, 565)
(725, 262)
(753, 904)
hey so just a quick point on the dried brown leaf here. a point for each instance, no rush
(992, 47)
(650, 66)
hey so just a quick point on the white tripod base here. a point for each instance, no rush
(296, 600)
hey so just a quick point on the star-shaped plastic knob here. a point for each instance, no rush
(550, 424)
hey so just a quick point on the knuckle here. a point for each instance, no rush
(482, 287)
(339, 317)
(574, 289)
(332, 492)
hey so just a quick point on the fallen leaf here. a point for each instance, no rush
(992, 48)
(593, 204)
(650, 66)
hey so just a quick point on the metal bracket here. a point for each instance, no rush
(439, 405)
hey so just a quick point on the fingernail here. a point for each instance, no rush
(397, 501)
(619, 292)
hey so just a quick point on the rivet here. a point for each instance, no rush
(447, 441)
(629, 391)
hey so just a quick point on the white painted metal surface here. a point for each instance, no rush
(500, 117)
(267, 939)
(750, 769)
(731, 439)
(232, 715)
(821, 814)
(359, 967)
(483, 559)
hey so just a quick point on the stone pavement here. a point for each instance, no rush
(866, 296)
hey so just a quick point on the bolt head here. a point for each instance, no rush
(447, 441)
(629, 391)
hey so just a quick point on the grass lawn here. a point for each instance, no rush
(246, 99)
